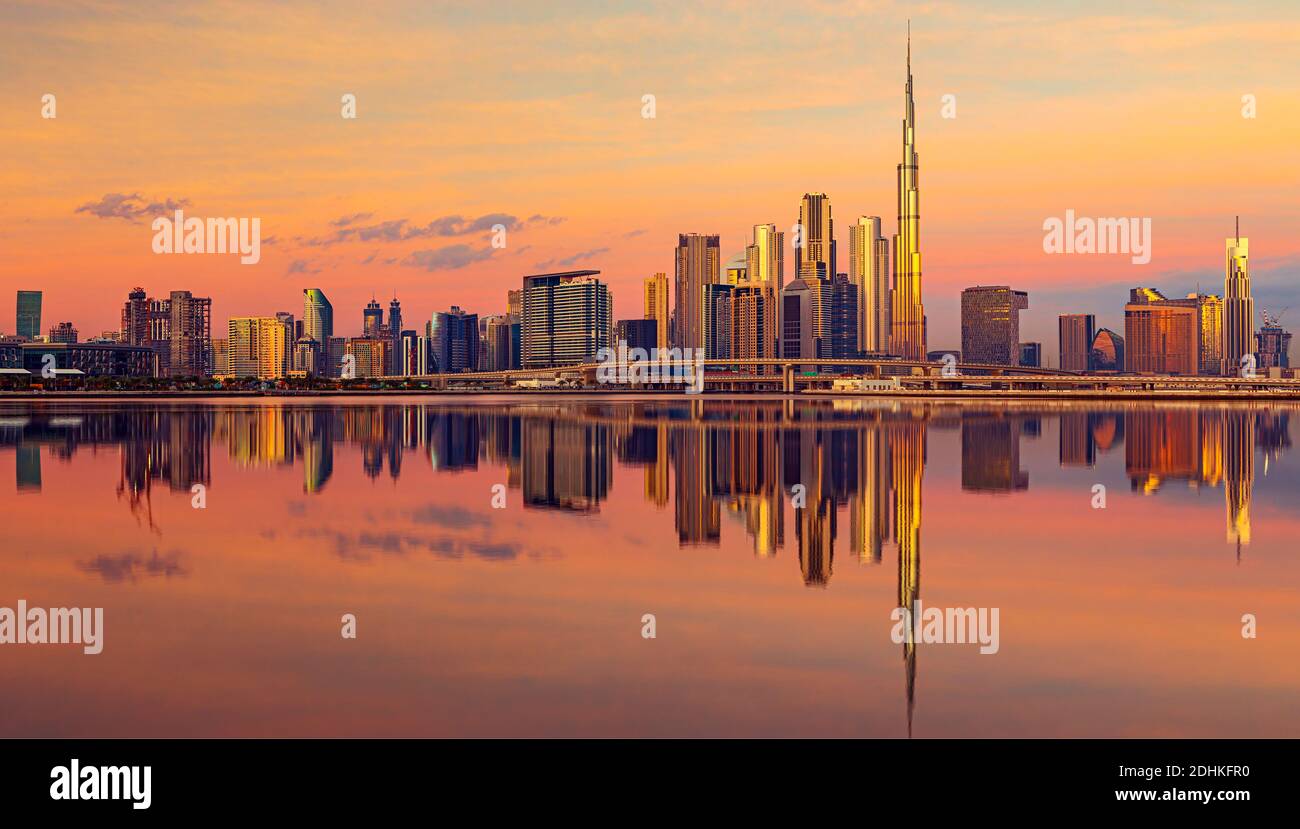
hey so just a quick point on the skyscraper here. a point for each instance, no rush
(454, 341)
(1076, 335)
(190, 335)
(372, 319)
(257, 347)
(869, 271)
(908, 312)
(29, 314)
(753, 322)
(1210, 309)
(698, 259)
(765, 257)
(818, 233)
(797, 328)
(1274, 345)
(656, 306)
(567, 318)
(135, 318)
(990, 324)
(290, 337)
(318, 325)
(1238, 306)
(317, 315)
(843, 322)
(1162, 335)
(717, 320)
(395, 334)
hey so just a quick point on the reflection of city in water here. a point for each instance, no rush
(703, 458)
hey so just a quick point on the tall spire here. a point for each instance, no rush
(907, 312)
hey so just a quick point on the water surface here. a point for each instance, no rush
(770, 619)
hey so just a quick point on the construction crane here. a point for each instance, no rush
(1271, 321)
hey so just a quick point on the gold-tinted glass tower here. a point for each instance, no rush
(908, 318)
(818, 235)
(1238, 306)
(869, 271)
(765, 258)
(656, 306)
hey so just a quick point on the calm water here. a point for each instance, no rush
(770, 620)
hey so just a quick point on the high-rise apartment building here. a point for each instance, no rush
(990, 324)
(656, 306)
(1077, 332)
(698, 259)
(717, 320)
(567, 318)
(190, 335)
(869, 271)
(765, 257)
(257, 347)
(370, 356)
(753, 321)
(1210, 321)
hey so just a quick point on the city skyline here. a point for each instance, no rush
(629, 239)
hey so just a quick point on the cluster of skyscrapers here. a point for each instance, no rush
(744, 308)
(741, 308)
(1200, 334)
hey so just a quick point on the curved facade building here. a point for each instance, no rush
(1107, 351)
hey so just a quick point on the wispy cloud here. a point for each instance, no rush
(568, 261)
(131, 208)
(446, 259)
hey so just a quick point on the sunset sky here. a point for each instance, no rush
(530, 114)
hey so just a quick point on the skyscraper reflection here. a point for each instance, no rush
(751, 463)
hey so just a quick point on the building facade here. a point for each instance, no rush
(698, 259)
(1238, 306)
(1162, 336)
(656, 306)
(567, 318)
(869, 271)
(28, 315)
(990, 324)
(1077, 332)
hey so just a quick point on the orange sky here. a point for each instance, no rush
(533, 111)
